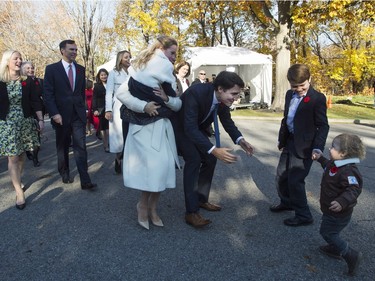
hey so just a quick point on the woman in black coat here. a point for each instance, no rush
(98, 105)
(28, 69)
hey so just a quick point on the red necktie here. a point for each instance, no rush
(70, 76)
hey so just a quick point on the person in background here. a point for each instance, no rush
(200, 155)
(182, 71)
(116, 77)
(18, 104)
(201, 78)
(89, 94)
(303, 128)
(340, 187)
(28, 69)
(64, 97)
(98, 106)
(213, 77)
(150, 154)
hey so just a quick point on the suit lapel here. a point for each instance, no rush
(206, 104)
(78, 76)
(305, 100)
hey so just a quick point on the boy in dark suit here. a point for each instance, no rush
(200, 155)
(303, 128)
(64, 96)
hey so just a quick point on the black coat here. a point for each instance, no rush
(310, 123)
(98, 98)
(59, 98)
(30, 100)
(196, 104)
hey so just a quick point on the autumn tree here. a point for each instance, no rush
(139, 22)
(338, 36)
(214, 22)
(30, 34)
(88, 19)
(279, 23)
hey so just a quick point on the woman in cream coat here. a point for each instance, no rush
(150, 153)
(116, 77)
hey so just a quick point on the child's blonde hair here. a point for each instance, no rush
(162, 42)
(350, 145)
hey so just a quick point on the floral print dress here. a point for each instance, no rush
(17, 133)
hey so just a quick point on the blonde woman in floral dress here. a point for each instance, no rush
(17, 126)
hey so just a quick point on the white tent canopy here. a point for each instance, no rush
(109, 65)
(254, 68)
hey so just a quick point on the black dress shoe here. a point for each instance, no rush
(295, 221)
(89, 185)
(21, 206)
(279, 208)
(67, 179)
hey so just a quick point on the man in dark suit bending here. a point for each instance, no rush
(200, 155)
(303, 128)
(64, 97)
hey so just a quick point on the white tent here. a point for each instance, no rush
(254, 68)
(109, 65)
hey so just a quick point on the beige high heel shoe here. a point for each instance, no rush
(156, 221)
(142, 223)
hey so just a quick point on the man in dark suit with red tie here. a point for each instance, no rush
(200, 155)
(303, 128)
(64, 97)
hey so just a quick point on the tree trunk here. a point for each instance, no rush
(282, 66)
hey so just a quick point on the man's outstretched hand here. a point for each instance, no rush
(224, 155)
(247, 147)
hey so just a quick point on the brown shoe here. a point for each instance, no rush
(210, 207)
(196, 220)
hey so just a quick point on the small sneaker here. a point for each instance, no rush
(330, 251)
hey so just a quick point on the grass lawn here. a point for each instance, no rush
(356, 107)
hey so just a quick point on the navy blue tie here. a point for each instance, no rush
(216, 126)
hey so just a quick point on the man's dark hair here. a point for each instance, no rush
(63, 44)
(227, 80)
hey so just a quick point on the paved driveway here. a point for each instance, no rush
(69, 234)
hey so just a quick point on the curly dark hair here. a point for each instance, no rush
(350, 145)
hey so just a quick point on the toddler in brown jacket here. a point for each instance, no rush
(340, 187)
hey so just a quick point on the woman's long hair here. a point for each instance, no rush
(162, 42)
(97, 78)
(119, 56)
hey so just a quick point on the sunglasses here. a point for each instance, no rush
(202, 73)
